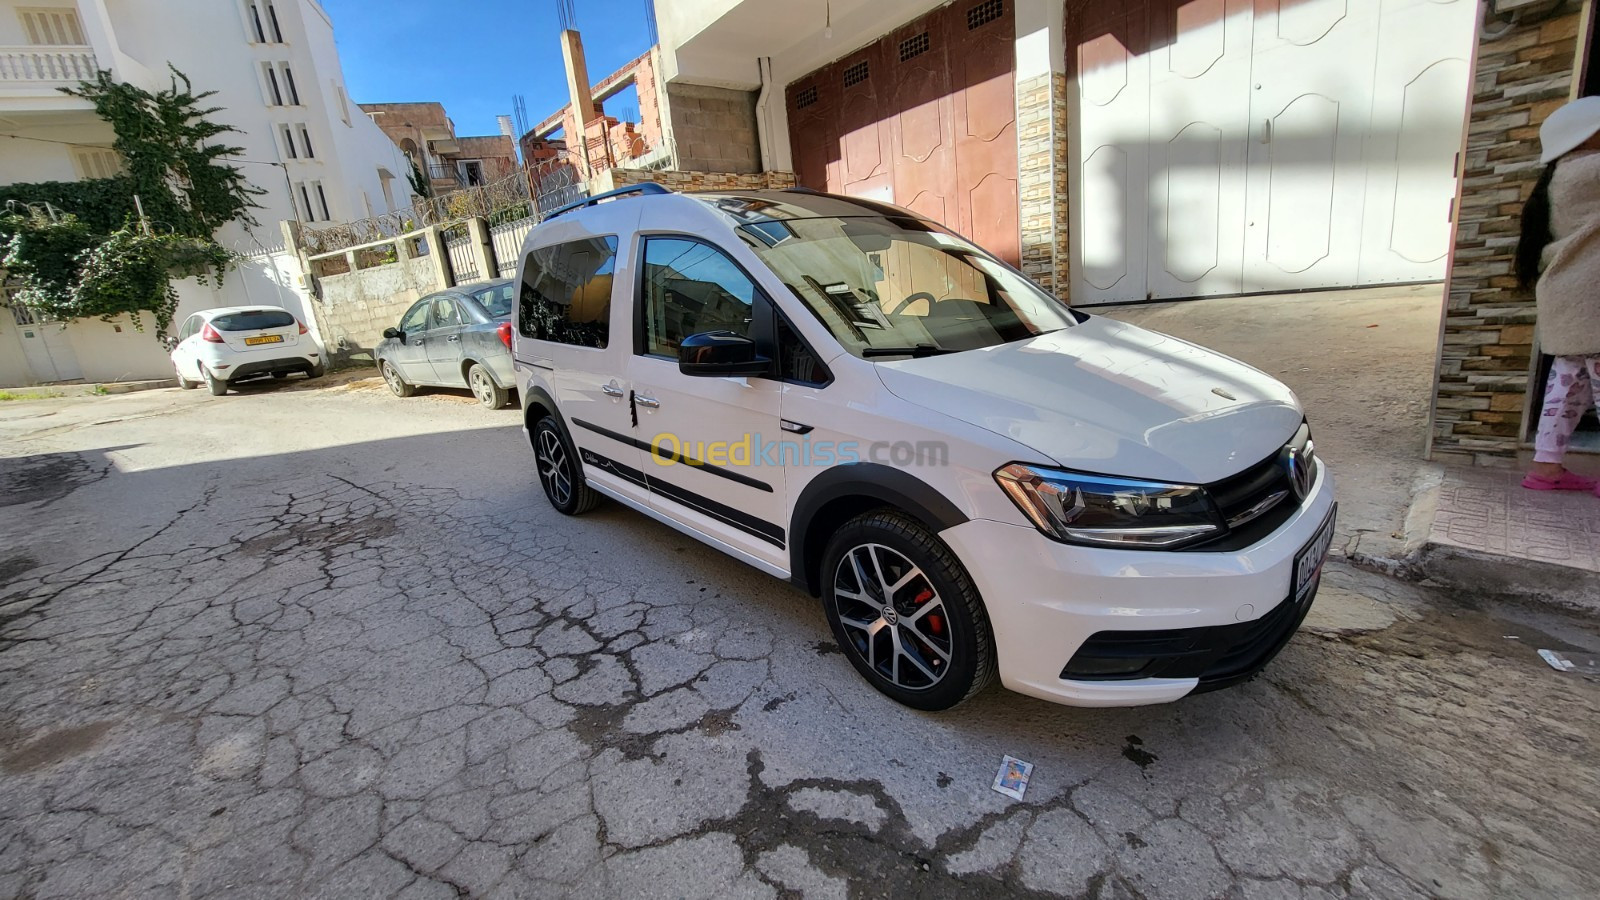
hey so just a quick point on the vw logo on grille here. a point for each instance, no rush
(1301, 469)
(890, 615)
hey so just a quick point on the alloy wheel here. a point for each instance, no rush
(893, 616)
(392, 378)
(554, 467)
(482, 387)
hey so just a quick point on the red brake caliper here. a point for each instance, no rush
(935, 622)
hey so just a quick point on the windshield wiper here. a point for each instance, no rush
(916, 352)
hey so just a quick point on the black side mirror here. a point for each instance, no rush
(714, 354)
(394, 333)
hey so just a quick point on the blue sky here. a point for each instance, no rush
(473, 55)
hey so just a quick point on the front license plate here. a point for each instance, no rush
(263, 339)
(1308, 562)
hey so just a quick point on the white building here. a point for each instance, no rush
(278, 79)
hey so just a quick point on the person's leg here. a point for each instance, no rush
(1568, 394)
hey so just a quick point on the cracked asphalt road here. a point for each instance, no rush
(322, 642)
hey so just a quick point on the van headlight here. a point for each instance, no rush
(1110, 512)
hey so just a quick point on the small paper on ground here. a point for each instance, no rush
(1012, 779)
(1557, 661)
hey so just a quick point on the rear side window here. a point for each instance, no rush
(496, 301)
(255, 319)
(566, 293)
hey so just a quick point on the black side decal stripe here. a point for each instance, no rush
(745, 522)
(682, 459)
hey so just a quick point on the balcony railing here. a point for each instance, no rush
(444, 173)
(46, 65)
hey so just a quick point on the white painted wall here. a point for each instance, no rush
(210, 41)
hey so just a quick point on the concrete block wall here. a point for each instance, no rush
(714, 129)
(1487, 345)
(356, 307)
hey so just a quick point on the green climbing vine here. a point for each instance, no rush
(81, 250)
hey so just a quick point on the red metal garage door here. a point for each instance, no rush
(925, 118)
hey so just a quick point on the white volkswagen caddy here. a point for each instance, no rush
(974, 478)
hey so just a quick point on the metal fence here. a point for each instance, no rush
(506, 239)
(462, 255)
(507, 198)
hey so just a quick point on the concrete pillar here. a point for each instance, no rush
(482, 246)
(440, 257)
(1043, 206)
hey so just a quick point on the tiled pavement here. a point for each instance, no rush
(1488, 511)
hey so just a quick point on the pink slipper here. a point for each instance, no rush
(1569, 481)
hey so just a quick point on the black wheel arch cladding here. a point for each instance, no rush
(874, 482)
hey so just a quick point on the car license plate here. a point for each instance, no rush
(263, 339)
(1308, 563)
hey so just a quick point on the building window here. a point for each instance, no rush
(855, 74)
(274, 93)
(288, 84)
(288, 143)
(910, 48)
(96, 162)
(261, 20)
(984, 13)
(305, 141)
(252, 13)
(344, 102)
(322, 198)
(305, 203)
(52, 27)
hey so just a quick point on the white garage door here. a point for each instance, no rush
(1230, 146)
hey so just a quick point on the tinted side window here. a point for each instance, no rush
(416, 318)
(566, 293)
(796, 362)
(690, 287)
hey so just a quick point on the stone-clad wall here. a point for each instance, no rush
(698, 181)
(1488, 333)
(1042, 179)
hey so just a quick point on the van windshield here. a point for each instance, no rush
(899, 287)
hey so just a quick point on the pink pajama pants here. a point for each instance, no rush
(1570, 392)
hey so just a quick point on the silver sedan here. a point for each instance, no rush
(455, 338)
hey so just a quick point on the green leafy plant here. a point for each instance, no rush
(419, 185)
(101, 259)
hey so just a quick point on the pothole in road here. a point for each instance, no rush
(45, 478)
(54, 747)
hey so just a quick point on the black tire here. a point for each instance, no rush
(937, 609)
(553, 457)
(279, 376)
(218, 387)
(317, 371)
(185, 383)
(396, 384)
(491, 395)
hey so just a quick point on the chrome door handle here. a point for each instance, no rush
(647, 402)
(611, 390)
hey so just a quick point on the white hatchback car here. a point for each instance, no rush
(227, 345)
(974, 478)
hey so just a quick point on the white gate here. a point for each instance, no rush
(506, 239)
(463, 258)
(46, 347)
(1259, 145)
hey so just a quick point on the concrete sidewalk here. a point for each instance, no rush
(1486, 532)
(82, 388)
